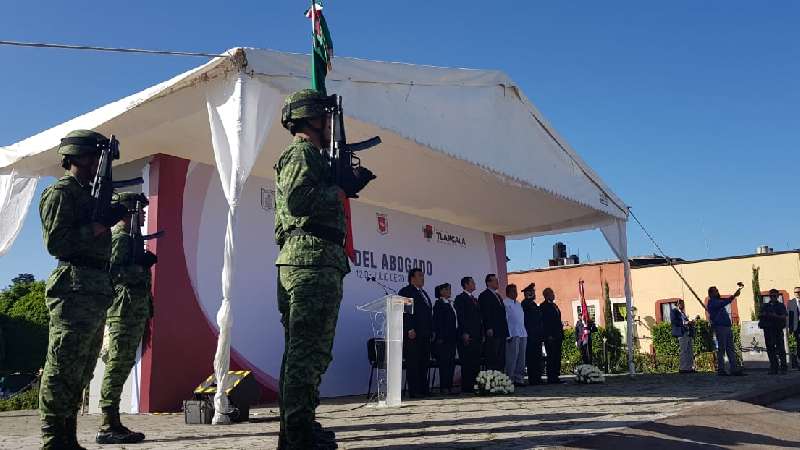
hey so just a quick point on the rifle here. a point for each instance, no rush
(341, 154)
(104, 185)
(137, 238)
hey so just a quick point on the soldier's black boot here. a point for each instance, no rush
(53, 434)
(71, 433)
(113, 432)
(323, 435)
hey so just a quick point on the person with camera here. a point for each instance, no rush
(683, 329)
(721, 323)
(772, 319)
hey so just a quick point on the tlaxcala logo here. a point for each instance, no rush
(443, 237)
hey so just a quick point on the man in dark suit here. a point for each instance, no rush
(470, 332)
(418, 328)
(533, 325)
(445, 337)
(553, 335)
(494, 324)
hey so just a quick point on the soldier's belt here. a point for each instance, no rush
(320, 231)
(80, 262)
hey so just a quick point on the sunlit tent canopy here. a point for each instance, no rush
(460, 146)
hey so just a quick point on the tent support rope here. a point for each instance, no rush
(666, 258)
(110, 49)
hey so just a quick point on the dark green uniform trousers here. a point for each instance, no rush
(127, 318)
(308, 300)
(75, 338)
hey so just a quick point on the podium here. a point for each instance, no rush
(388, 324)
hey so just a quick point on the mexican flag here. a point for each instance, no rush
(321, 64)
(321, 47)
(584, 314)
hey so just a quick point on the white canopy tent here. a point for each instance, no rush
(460, 146)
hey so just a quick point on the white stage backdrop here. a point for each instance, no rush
(388, 243)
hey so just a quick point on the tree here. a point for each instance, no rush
(608, 315)
(756, 294)
(24, 320)
(23, 278)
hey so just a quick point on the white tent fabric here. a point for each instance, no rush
(16, 193)
(460, 146)
(617, 237)
(237, 109)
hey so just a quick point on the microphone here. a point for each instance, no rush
(386, 289)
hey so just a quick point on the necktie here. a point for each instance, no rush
(425, 294)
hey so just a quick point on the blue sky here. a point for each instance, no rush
(688, 110)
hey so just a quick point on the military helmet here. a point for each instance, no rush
(82, 142)
(303, 104)
(129, 199)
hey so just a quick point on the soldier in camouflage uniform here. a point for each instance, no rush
(126, 318)
(310, 230)
(78, 291)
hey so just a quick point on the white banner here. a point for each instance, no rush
(388, 243)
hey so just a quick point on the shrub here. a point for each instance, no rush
(25, 400)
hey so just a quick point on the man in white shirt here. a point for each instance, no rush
(517, 337)
(794, 322)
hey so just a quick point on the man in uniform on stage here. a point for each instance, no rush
(310, 230)
(126, 318)
(78, 291)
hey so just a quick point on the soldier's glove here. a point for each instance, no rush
(354, 181)
(115, 213)
(148, 259)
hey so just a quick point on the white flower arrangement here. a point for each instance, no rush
(588, 374)
(493, 382)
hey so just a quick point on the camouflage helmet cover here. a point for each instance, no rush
(303, 104)
(82, 142)
(129, 199)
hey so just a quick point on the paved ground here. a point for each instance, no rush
(669, 411)
(723, 424)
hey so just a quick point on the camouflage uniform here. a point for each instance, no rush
(310, 230)
(78, 293)
(126, 320)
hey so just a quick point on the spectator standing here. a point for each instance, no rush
(772, 319)
(794, 323)
(683, 329)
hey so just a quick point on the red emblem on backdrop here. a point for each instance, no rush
(428, 232)
(383, 223)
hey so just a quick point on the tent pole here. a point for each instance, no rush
(629, 316)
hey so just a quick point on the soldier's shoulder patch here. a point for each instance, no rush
(65, 183)
(299, 151)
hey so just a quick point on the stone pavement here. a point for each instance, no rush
(533, 417)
